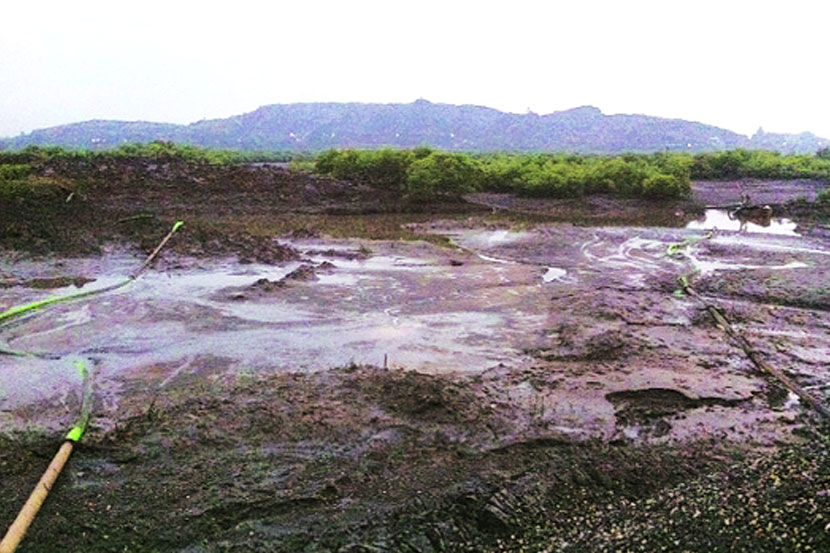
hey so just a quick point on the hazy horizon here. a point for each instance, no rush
(748, 135)
(739, 66)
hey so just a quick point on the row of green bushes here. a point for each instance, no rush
(20, 184)
(10, 172)
(573, 176)
(424, 173)
(419, 174)
(427, 174)
(156, 151)
(760, 164)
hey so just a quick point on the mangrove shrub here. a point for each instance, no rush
(441, 175)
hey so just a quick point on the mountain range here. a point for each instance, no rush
(319, 126)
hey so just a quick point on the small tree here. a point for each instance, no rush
(441, 175)
(387, 168)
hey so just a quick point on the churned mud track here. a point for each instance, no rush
(618, 323)
(388, 459)
(204, 440)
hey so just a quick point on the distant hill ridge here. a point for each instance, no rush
(319, 126)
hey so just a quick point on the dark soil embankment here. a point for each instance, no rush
(228, 209)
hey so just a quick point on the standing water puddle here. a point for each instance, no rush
(722, 219)
(494, 301)
(413, 308)
(554, 273)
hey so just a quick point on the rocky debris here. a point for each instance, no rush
(46, 283)
(648, 409)
(304, 273)
(587, 344)
(204, 196)
(213, 242)
(307, 272)
(269, 252)
(265, 285)
(350, 255)
(304, 233)
(422, 397)
(311, 194)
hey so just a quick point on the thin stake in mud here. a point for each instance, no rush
(726, 326)
(15, 353)
(153, 255)
(22, 309)
(753, 354)
(27, 514)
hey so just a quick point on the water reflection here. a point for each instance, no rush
(758, 220)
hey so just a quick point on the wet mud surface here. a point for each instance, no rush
(524, 386)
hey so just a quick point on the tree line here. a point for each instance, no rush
(424, 173)
(157, 151)
(427, 174)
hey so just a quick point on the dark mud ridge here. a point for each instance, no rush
(228, 209)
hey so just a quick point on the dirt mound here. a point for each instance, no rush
(304, 273)
(420, 396)
(651, 408)
(201, 242)
(47, 283)
(134, 199)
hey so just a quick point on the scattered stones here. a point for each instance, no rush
(304, 273)
(304, 233)
(350, 255)
(265, 285)
(46, 283)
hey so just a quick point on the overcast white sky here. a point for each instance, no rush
(734, 64)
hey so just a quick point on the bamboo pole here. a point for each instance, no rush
(21, 309)
(754, 356)
(153, 255)
(27, 514)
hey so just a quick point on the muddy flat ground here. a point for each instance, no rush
(313, 367)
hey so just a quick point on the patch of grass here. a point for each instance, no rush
(10, 172)
(302, 165)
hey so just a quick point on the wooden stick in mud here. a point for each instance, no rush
(21, 309)
(27, 514)
(153, 255)
(755, 357)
